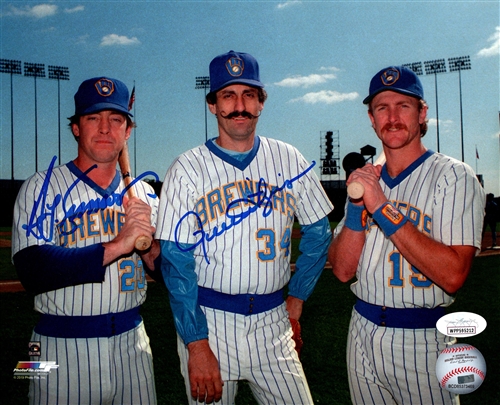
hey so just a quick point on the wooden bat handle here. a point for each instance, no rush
(143, 242)
(355, 190)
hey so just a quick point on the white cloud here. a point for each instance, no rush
(38, 11)
(311, 80)
(326, 97)
(115, 39)
(288, 3)
(305, 81)
(82, 39)
(433, 121)
(74, 9)
(444, 125)
(330, 68)
(44, 10)
(494, 49)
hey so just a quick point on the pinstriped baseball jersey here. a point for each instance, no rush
(115, 370)
(443, 199)
(220, 203)
(258, 349)
(98, 218)
(395, 365)
(63, 207)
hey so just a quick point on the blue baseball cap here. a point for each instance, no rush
(396, 78)
(232, 68)
(101, 93)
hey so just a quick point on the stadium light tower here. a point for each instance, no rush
(203, 82)
(416, 67)
(435, 67)
(14, 68)
(35, 70)
(460, 63)
(59, 73)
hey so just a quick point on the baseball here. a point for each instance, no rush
(460, 368)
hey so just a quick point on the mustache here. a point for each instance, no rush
(394, 126)
(243, 113)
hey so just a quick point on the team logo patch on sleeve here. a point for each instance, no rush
(235, 66)
(392, 214)
(364, 218)
(105, 87)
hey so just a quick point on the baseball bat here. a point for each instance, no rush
(355, 190)
(143, 242)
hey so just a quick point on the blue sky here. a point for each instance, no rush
(316, 59)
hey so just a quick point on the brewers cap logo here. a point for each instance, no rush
(105, 87)
(235, 66)
(390, 76)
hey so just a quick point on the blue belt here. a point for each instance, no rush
(244, 304)
(106, 325)
(409, 318)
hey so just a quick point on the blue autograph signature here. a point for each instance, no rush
(262, 198)
(43, 212)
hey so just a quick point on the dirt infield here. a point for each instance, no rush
(5, 243)
(486, 245)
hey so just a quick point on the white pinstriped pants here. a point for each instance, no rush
(388, 366)
(256, 348)
(115, 370)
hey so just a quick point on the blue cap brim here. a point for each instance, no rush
(406, 93)
(252, 83)
(103, 106)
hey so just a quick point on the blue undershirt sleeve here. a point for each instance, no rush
(178, 269)
(47, 267)
(155, 273)
(313, 246)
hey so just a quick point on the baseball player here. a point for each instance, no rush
(409, 241)
(73, 247)
(225, 222)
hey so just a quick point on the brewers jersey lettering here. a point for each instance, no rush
(439, 196)
(70, 210)
(238, 217)
(230, 201)
(443, 199)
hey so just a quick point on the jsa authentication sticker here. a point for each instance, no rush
(461, 324)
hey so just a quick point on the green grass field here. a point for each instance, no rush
(324, 327)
